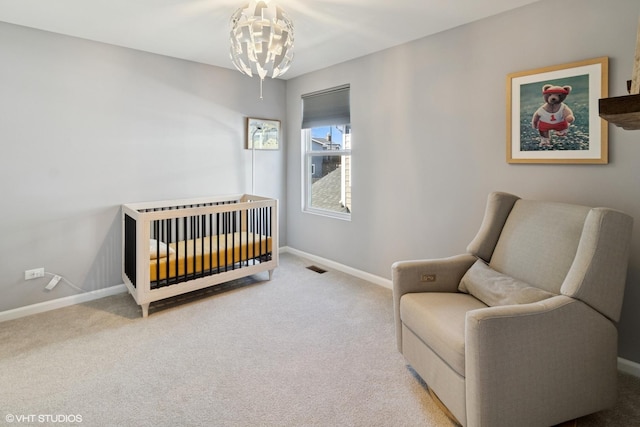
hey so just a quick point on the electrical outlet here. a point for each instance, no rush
(33, 274)
(428, 277)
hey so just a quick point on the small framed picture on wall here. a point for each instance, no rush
(552, 114)
(263, 134)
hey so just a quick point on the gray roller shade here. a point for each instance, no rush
(326, 108)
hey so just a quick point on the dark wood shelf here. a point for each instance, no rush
(622, 111)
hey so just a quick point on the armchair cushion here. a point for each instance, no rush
(439, 319)
(494, 288)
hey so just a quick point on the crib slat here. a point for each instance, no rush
(201, 236)
(193, 239)
(261, 234)
(185, 234)
(226, 241)
(249, 232)
(210, 243)
(156, 231)
(245, 227)
(168, 263)
(224, 231)
(271, 225)
(233, 241)
(218, 241)
(255, 229)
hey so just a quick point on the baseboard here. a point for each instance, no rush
(41, 307)
(381, 281)
(629, 367)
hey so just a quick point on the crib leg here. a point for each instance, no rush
(270, 274)
(145, 310)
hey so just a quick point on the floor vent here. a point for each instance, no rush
(316, 269)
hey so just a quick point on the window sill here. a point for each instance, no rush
(327, 213)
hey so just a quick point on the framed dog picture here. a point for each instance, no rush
(552, 114)
(263, 134)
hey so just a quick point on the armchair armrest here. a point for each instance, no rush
(431, 275)
(517, 357)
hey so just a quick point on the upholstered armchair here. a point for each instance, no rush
(521, 329)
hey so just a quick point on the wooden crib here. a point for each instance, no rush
(178, 246)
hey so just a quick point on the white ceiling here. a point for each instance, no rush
(327, 32)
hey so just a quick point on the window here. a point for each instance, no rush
(326, 141)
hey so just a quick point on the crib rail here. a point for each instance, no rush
(240, 225)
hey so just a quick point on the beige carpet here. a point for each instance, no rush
(304, 349)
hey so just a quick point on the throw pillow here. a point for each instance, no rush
(153, 249)
(494, 288)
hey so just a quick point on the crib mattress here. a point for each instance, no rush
(209, 253)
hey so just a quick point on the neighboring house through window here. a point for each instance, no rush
(326, 141)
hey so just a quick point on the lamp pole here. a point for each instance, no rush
(253, 159)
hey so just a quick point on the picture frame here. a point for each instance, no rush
(542, 136)
(263, 134)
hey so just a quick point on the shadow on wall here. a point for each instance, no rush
(105, 271)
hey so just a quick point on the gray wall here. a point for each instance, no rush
(429, 139)
(85, 127)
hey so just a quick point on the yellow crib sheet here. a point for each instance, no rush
(209, 252)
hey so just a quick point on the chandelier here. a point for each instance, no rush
(261, 40)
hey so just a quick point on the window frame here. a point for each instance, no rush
(307, 163)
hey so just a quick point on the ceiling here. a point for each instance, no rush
(327, 32)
